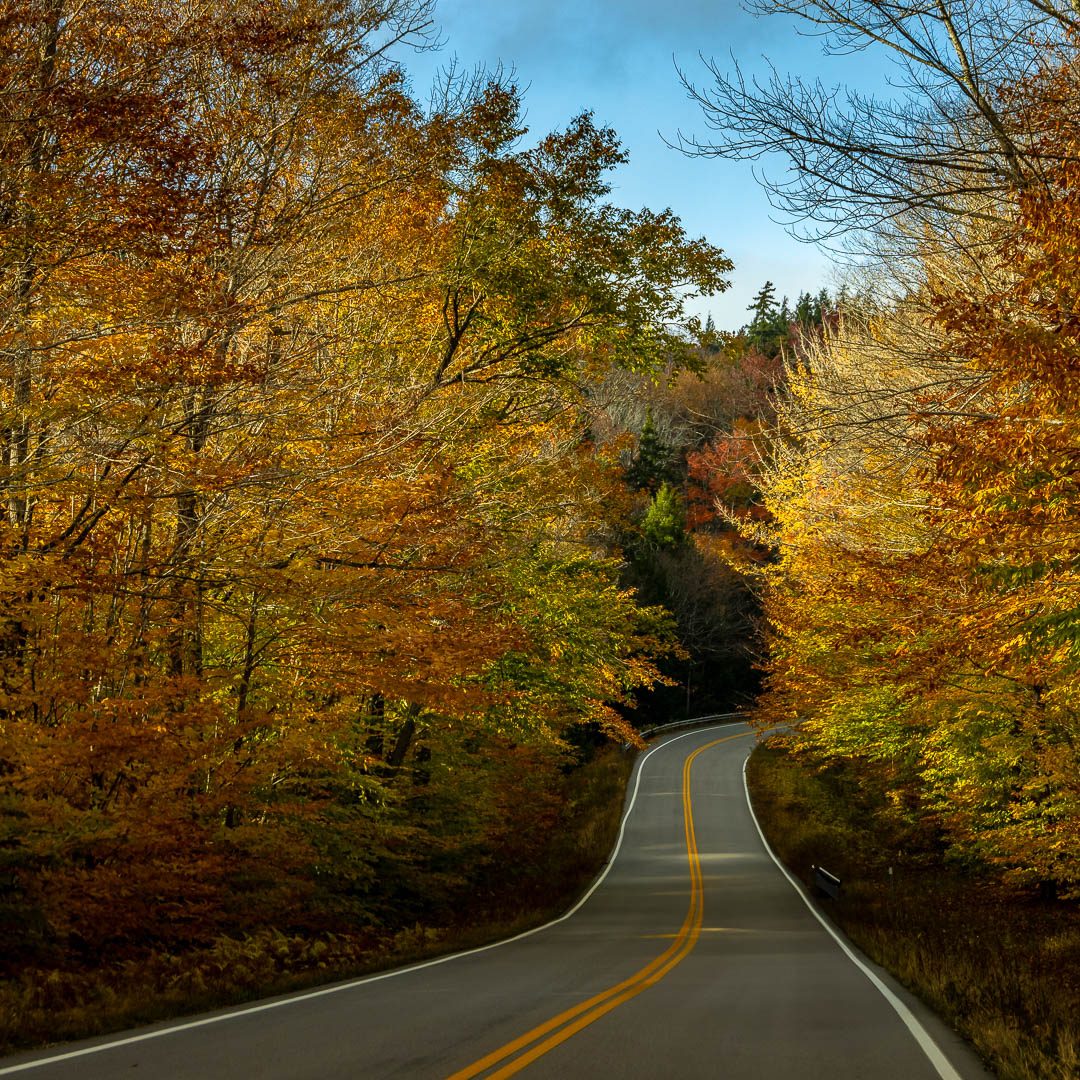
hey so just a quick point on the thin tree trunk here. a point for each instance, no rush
(404, 739)
(249, 659)
(185, 641)
(17, 434)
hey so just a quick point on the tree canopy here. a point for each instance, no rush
(301, 508)
(918, 476)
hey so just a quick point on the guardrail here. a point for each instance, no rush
(693, 722)
(826, 883)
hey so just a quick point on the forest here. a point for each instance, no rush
(365, 476)
(918, 484)
(319, 414)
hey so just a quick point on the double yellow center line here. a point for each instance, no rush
(558, 1029)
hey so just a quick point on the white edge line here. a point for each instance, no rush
(293, 999)
(926, 1043)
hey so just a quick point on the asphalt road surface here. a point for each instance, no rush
(694, 956)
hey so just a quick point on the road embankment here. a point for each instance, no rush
(509, 888)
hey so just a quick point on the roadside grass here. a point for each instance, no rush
(1001, 966)
(519, 890)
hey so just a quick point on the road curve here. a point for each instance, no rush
(694, 956)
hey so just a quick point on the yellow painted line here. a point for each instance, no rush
(572, 1020)
(704, 930)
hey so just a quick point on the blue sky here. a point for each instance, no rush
(618, 58)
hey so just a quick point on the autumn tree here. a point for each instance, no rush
(921, 604)
(303, 508)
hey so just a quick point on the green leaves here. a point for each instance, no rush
(664, 523)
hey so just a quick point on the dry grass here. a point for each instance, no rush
(42, 1005)
(1001, 966)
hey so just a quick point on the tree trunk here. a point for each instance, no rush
(185, 641)
(17, 434)
(404, 740)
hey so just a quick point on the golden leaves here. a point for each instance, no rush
(926, 496)
(296, 476)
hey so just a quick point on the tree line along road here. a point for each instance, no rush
(693, 956)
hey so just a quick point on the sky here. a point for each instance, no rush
(618, 58)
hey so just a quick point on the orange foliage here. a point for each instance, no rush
(925, 620)
(292, 422)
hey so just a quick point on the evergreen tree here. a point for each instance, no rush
(763, 305)
(769, 326)
(653, 465)
(664, 523)
(805, 310)
(811, 310)
(710, 339)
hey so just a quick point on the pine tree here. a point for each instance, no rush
(652, 465)
(710, 339)
(763, 305)
(769, 326)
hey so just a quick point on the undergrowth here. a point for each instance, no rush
(511, 890)
(1001, 966)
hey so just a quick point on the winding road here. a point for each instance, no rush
(693, 956)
